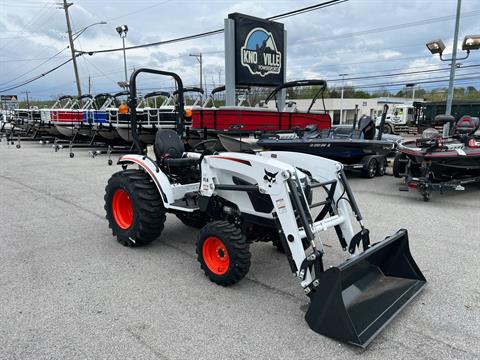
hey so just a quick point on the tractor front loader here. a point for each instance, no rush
(237, 199)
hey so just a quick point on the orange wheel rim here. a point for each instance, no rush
(215, 255)
(122, 209)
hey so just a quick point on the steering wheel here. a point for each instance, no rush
(207, 147)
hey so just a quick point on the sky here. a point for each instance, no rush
(358, 37)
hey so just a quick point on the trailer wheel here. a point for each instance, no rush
(223, 253)
(134, 208)
(399, 166)
(195, 219)
(382, 167)
(370, 168)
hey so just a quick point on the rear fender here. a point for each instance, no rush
(157, 175)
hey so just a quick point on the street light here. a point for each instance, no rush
(122, 31)
(200, 60)
(436, 46)
(471, 42)
(80, 32)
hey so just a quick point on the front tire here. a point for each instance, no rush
(134, 208)
(223, 253)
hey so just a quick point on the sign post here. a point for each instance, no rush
(229, 62)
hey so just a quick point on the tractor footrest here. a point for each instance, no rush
(189, 201)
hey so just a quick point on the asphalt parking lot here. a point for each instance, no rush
(68, 290)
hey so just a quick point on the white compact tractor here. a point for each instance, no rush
(237, 199)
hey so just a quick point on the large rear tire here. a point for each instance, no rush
(223, 253)
(134, 208)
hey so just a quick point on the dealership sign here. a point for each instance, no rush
(259, 51)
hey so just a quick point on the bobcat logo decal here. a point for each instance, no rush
(270, 177)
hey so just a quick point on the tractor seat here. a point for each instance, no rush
(467, 125)
(169, 150)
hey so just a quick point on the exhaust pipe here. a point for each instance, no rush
(357, 299)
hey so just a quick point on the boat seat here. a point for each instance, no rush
(366, 126)
(467, 125)
(290, 106)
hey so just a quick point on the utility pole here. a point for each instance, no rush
(89, 85)
(341, 98)
(28, 100)
(454, 60)
(72, 49)
(412, 86)
(200, 60)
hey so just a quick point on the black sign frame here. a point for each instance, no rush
(259, 51)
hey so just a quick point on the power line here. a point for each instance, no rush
(424, 81)
(404, 73)
(34, 68)
(138, 11)
(219, 31)
(39, 76)
(37, 16)
(25, 60)
(391, 27)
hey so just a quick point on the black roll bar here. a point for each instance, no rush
(64, 97)
(300, 83)
(218, 89)
(222, 88)
(133, 101)
(85, 96)
(157, 93)
(296, 83)
(121, 93)
(107, 95)
(190, 89)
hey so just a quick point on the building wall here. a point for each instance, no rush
(369, 107)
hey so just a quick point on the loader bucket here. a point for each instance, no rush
(357, 299)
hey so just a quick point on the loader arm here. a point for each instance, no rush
(323, 170)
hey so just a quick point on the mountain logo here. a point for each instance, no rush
(259, 53)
